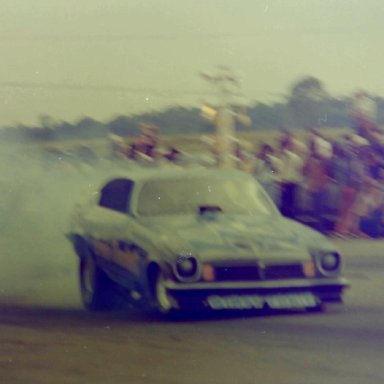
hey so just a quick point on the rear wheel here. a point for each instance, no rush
(95, 286)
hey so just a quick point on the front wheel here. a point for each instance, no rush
(162, 300)
(95, 286)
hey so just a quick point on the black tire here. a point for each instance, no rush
(317, 309)
(95, 286)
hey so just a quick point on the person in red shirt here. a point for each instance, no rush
(347, 221)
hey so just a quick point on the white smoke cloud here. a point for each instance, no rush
(37, 263)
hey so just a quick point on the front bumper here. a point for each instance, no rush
(252, 295)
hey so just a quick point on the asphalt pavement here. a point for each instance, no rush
(47, 337)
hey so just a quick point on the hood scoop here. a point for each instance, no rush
(209, 212)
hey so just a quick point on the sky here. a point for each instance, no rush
(69, 59)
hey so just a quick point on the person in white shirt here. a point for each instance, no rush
(321, 145)
(267, 171)
(291, 178)
(363, 112)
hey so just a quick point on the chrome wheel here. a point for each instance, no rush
(163, 302)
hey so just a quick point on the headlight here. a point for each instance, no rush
(329, 263)
(187, 267)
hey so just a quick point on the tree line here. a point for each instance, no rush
(308, 105)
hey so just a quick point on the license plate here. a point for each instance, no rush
(280, 301)
(301, 300)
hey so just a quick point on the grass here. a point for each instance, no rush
(184, 142)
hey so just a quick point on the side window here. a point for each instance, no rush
(116, 195)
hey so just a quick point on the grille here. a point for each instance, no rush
(254, 273)
(289, 271)
(237, 273)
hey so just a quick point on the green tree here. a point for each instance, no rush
(47, 122)
(307, 102)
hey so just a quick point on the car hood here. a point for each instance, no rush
(236, 237)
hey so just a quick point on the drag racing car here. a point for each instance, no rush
(213, 240)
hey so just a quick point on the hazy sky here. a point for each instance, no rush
(100, 58)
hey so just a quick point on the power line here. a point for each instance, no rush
(133, 37)
(104, 88)
(352, 29)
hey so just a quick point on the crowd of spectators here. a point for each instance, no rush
(144, 147)
(336, 186)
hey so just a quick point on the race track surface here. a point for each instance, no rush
(47, 337)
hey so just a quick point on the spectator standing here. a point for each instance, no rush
(339, 173)
(365, 219)
(267, 171)
(148, 140)
(363, 112)
(291, 178)
(321, 145)
(316, 173)
(132, 153)
(298, 146)
(118, 146)
(243, 160)
(173, 155)
(348, 220)
(367, 210)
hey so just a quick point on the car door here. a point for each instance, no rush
(117, 252)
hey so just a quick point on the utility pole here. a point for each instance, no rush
(226, 85)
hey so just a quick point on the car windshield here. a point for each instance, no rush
(188, 196)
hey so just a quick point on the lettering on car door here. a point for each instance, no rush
(126, 256)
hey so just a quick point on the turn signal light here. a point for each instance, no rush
(309, 269)
(208, 272)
